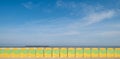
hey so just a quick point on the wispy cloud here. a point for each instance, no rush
(98, 17)
(71, 4)
(67, 33)
(110, 33)
(59, 3)
(72, 28)
(30, 5)
(92, 13)
(63, 30)
(93, 18)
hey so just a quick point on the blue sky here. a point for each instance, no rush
(60, 22)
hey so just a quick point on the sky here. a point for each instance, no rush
(60, 22)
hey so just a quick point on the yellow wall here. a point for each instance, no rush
(110, 53)
(1, 52)
(87, 53)
(71, 52)
(117, 52)
(56, 53)
(14, 53)
(31, 53)
(59, 52)
(94, 53)
(79, 53)
(7, 52)
(24, 53)
(63, 53)
(102, 52)
(48, 52)
(39, 52)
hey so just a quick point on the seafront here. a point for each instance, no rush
(59, 52)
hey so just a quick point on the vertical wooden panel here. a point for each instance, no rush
(79, 53)
(48, 52)
(7, 52)
(56, 53)
(63, 53)
(102, 52)
(24, 53)
(95, 53)
(110, 52)
(40, 52)
(1, 53)
(87, 53)
(31, 52)
(117, 52)
(15, 53)
(71, 52)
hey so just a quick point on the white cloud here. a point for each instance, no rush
(71, 5)
(98, 17)
(51, 30)
(115, 25)
(92, 14)
(93, 18)
(110, 33)
(59, 3)
(30, 5)
(90, 18)
(67, 33)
